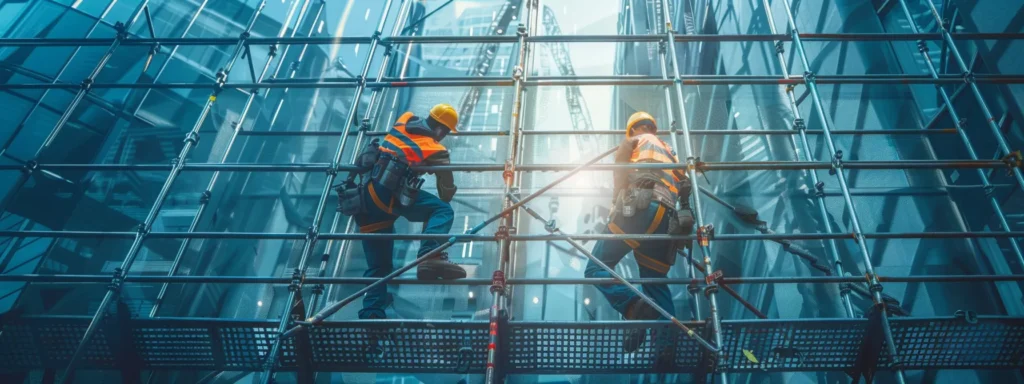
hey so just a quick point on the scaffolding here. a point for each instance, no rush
(302, 339)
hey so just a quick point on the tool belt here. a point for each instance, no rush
(396, 176)
(639, 196)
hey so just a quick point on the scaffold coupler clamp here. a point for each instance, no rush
(498, 282)
(809, 77)
(30, 167)
(297, 278)
(968, 77)
(509, 172)
(704, 234)
(712, 280)
(780, 47)
(922, 46)
(874, 282)
(1013, 160)
(122, 31)
(837, 163)
(504, 233)
(799, 124)
(364, 125)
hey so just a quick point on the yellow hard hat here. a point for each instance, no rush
(446, 115)
(640, 118)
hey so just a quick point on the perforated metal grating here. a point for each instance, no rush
(791, 345)
(547, 347)
(991, 343)
(409, 346)
(530, 347)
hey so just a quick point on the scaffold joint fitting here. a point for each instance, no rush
(297, 278)
(364, 125)
(693, 288)
(704, 234)
(922, 46)
(968, 77)
(312, 233)
(799, 124)
(780, 47)
(333, 169)
(30, 167)
(809, 76)
(205, 197)
(844, 289)
(122, 31)
(504, 232)
(714, 277)
(837, 163)
(142, 229)
(244, 36)
(509, 173)
(192, 138)
(1013, 160)
(970, 317)
(710, 290)
(521, 30)
(116, 280)
(498, 282)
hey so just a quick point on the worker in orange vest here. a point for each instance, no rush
(645, 203)
(393, 190)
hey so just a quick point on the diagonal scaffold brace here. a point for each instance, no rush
(575, 244)
(332, 309)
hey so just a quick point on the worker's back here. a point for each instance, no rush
(648, 148)
(411, 141)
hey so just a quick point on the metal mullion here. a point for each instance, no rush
(298, 274)
(208, 192)
(190, 141)
(826, 122)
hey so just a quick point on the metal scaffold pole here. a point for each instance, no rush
(313, 233)
(207, 194)
(804, 149)
(368, 118)
(191, 140)
(837, 159)
(691, 170)
(962, 128)
(691, 270)
(498, 314)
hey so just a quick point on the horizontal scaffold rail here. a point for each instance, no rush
(457, 347)
(548, 81)
(701, 166)
(508, 39)
(519, 237)
(149, 279)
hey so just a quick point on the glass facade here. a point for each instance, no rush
(167, 212)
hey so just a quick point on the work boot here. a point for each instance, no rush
(634, 338)
(439, 268)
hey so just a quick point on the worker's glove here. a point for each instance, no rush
(446, 194)
(350, 202)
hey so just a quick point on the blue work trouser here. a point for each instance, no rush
(382, 209)
(654, 258)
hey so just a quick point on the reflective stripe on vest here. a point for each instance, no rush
(650, 149)
(408, 147)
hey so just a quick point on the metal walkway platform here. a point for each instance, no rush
(530, 347)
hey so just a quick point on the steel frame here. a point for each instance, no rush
(524, 39)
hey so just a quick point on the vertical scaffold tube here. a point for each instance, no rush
(826, 126)
(312, 234)
(498, 311)
(691, 171)
(375, 98)
(805, 149)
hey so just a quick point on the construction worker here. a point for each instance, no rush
(392, 191)
(644, 203)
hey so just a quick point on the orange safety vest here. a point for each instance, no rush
(408, 147)
(650, 149)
